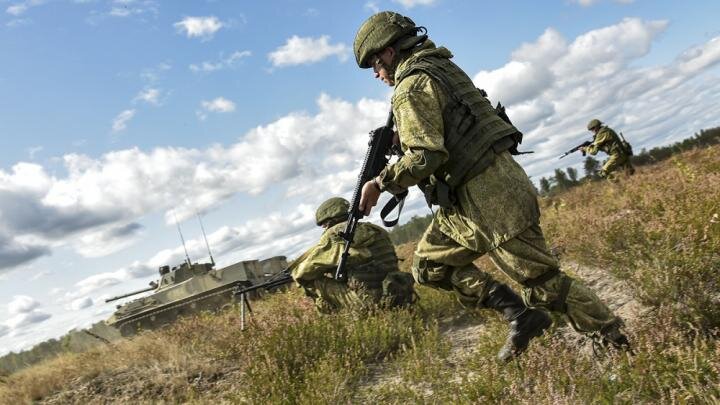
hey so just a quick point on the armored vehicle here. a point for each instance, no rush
(188, 289)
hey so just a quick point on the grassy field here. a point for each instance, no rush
(658, 232)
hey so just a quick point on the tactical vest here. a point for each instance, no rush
(474, 133)
(384, 259)
(615, 145)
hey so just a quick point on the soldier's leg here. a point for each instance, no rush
(440, 262)
(527, 259)
(627, 164)
(610, 166)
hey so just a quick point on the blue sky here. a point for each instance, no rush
(117, 115)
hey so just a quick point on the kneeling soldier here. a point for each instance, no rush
(372, 267)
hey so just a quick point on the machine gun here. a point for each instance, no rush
(577, 148)
(380, 149)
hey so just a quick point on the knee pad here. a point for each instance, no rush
(426, 271)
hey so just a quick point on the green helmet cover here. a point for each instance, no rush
(332, 208)
(378, 32)
(593, 123)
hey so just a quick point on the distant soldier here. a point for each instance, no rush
(459, 151)
(606, 140)
(372, 267)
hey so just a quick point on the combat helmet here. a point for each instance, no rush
(593, 123)
(385, 29)
(333, 208)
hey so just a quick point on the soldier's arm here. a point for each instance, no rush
(417, 106)
(600, 140)
(324, 257)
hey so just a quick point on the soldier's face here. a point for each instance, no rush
(381, 66)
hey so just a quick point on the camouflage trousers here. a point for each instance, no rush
(614, 163)
(331, 295)
(441, 262)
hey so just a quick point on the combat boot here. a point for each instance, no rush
(612, 336)
(525, 323)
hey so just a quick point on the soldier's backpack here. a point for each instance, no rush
(626, 145)
(399, 289)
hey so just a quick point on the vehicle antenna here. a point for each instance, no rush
(187, 257)
(205, 237)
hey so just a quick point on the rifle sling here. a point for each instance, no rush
(397, 201)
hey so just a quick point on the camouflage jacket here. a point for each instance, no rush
(606, 140)
(491, 208)
(372, 255)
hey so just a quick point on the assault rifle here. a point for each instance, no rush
(380, 149)
(577, 148)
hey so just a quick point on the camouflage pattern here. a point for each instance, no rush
(608, 141)
(331, 208)
(372, 257)
(495, 212)
(441, 262)
(593, 123)
(377, 33)
(471, 126)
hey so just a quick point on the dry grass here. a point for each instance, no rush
(658, 230)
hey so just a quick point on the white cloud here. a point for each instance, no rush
(199, 27)
(120, 122)
(17, 9)
(81, 303)
(219, 105)
(26, 319)
(553, 87)
(91, 206)
(21, 304)
(224, 63)
(40, 275)
(372, 6)
(153, 74)
(124, 8)
(17, 22)
(24, 312)
(20, 8)
(306, 50)
(412, 3)
(107, 240)
(149, 95)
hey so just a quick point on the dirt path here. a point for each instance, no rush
(464, 333)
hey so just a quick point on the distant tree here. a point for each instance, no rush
(561, 180)
(592, 167)
(572, 174)
(544, 186)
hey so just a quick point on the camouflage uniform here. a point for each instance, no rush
(495, 212)
(372, 258)
(608, 141)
